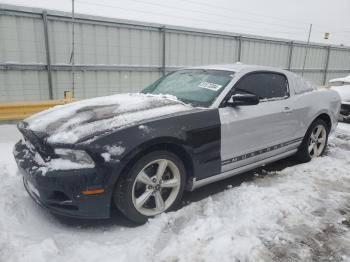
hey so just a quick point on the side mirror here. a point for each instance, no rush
(243, 100)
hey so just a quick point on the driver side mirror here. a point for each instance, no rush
(243, 100)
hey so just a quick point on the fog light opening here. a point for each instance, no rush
(59, 196)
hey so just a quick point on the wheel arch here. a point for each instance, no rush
(170, 144)
(302, 154)
(325, 117)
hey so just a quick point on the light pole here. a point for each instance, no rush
(72, 54)
(307, 49)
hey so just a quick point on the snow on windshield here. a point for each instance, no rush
(69, 123)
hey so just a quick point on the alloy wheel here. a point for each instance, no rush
(156, 187)
(317, 141)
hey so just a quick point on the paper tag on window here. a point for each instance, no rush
(210, 86)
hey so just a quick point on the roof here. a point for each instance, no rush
(237, 67)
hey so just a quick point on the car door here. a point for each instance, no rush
(256, 132)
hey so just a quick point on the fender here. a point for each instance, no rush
(197, 133)
(327, 118)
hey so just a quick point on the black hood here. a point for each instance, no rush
(73, 122)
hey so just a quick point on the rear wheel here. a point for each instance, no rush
(154, 185)
(315, 141)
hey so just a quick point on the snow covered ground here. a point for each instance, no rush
(301, 213)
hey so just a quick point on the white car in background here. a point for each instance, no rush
(342, 86)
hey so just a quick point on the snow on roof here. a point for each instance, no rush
(233, 67)
(236, 67)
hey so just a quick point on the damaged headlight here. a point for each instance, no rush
(76, 156)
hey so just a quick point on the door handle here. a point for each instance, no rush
(287, 110)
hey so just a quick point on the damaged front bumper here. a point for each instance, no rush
(60, 191)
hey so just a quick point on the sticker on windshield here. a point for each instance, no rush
(210, 86)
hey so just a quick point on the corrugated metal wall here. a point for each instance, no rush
(114, 56)
(185, 49)
(265, 53)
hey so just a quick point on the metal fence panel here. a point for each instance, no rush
(60, 42)
(21, 40)
(183, 49)
(118, 56)
(265, 53)
(23, 86)
(315, 77)
(100, 44)
(315, 59)
(339, 59)
(101, 83)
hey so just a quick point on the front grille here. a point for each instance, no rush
(39, 145)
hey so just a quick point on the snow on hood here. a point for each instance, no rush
(345, 79)
(342, 86)
(343, 91)
(73, 122)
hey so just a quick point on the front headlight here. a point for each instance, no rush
(76, 156)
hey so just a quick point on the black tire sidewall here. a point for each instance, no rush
(303, 154)
(122, 196)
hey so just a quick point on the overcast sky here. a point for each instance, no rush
(288, 19)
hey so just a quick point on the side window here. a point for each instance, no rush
(266, 85)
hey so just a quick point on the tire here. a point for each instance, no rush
(304, 154)
(140, 191)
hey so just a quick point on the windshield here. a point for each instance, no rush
(197, 87)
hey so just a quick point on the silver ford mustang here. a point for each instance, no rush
(194, 126)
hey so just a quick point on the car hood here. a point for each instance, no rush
(342, 80)
(75, 122)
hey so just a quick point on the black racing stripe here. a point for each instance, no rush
(203, 136)
(259, 152)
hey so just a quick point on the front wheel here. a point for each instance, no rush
(315, 141)
(153, 185)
